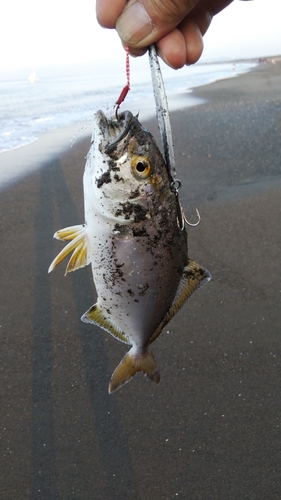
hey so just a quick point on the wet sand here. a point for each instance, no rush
(211, 429)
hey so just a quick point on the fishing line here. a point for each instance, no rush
(126, 89)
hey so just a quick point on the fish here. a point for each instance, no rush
(134, 240)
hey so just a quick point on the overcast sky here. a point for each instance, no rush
(35, 34)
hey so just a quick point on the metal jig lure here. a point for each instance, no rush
(164, 125)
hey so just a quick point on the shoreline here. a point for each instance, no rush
(17, 163)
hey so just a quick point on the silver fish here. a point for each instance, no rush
(133, 239)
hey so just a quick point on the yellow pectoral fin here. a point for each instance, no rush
(78, 259)
(97, 316)
(78, 245)
(193, 277)
(70, 233)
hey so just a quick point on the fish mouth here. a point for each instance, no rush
(113, 130)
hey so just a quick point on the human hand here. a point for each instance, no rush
(176, 26)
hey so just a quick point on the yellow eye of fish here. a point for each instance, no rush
(141, 166)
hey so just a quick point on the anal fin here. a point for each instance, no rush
(78, 244)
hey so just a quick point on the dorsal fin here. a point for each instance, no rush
(193, 277)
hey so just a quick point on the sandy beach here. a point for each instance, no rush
(211, 429)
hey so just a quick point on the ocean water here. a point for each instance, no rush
(30, 109)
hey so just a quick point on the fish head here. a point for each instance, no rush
(124, 168)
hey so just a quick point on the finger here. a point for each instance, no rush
(193, 42)
(181, 47)
(143, 23)
(135, 52)
(108, 11)
(201, 17)
(172, 49)
(215, 6)
(192, 29)
(203, 13)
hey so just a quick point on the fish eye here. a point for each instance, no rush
(140, 166)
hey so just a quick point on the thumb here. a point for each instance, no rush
(143, 22)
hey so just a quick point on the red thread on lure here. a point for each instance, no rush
(126, 89)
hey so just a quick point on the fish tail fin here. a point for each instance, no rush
(130, 365)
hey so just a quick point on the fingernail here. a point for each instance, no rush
(134, 24)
